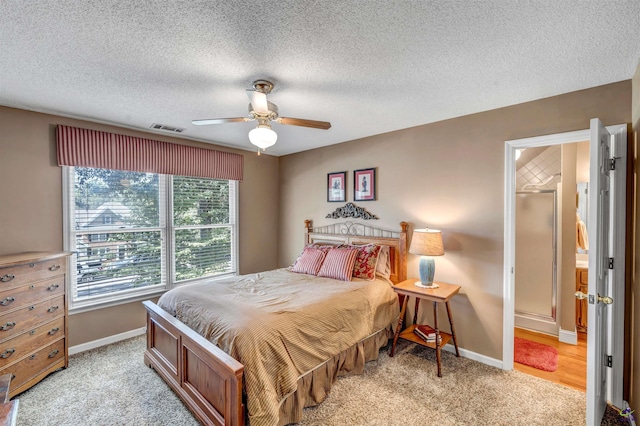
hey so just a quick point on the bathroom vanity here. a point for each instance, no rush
(582, 275)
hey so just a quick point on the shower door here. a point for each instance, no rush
(535, 274)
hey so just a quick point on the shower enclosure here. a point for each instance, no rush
(536, 271)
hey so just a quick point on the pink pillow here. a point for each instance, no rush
(338, 264)
(309, 262)
(312, 245)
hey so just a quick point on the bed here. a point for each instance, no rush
(279, 375)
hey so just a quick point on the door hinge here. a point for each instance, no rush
(611, 263)
(609, 362)
(612, 163)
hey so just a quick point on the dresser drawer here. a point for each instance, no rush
(31, 293)
(25, 343)
(29, 367)
(16, 276)
(30, 316)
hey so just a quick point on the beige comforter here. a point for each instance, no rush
(280, 325)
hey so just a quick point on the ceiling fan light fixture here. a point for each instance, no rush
(263, 136)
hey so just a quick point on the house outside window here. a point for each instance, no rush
(138, 233)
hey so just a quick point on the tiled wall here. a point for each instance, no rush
(539, 169)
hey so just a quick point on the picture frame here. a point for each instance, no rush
(337, 187)
(364, 184)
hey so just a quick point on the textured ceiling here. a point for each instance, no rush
(368, 67)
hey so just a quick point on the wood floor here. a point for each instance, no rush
(572, 360)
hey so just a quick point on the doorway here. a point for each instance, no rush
(546, 258)
(608, 338)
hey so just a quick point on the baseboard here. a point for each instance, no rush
(474, 356)
(569, 337)
(106, 340)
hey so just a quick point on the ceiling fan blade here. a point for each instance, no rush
(220, 120)
(324, 125)
(258, 101)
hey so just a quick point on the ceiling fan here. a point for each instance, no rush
(264, 112)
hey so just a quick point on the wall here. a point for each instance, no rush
(582, 161)
(31, 207)
(447, 175)
(633, 341)
(567, 245)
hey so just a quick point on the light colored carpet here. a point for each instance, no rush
(112, 386)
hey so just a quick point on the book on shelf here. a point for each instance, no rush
(426, 333)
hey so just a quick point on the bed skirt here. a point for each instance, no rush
(313, 387)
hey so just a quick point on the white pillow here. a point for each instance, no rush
(383, 268)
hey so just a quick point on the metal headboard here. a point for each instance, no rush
(358, 234)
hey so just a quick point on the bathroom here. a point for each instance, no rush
(552, 243)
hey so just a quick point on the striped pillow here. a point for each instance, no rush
(338, 264)
(309, 262)
(312, 245)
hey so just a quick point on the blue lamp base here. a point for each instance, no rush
(427, 271)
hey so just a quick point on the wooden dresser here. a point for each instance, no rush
(582, 281)
(33, 317)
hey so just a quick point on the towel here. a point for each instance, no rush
(582, 239)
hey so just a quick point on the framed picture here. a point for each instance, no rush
(336, 186)
(364, 185)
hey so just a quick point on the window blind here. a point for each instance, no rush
(203, 227)
(118, 232)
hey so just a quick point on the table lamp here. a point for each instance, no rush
(427, 243)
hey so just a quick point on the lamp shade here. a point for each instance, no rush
(263, 136)
(426, 242)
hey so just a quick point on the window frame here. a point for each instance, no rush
(167, 229)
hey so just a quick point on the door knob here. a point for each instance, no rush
(605, 299)
(580, 295)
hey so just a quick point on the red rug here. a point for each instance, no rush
(537, 355)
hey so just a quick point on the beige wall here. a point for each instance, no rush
(567, 243)
(31, 206)
(582, 162)
(634, 339)
(447, 175)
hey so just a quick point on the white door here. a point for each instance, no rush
(599, 277)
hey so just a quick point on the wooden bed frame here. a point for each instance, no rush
(207, 379)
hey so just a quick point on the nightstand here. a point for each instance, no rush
(441, 294)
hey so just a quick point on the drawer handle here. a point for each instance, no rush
(7, 277)
(54, 267)
(52, 287)
(7, 300)
(52, 309)
(31, 308)
(32, 332)
(13, 376)
(53, 353)
(32, 357)
(54, 331)
(8, 326)
(7, 353)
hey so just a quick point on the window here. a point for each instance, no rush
(162, 230)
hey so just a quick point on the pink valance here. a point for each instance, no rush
(92, 148)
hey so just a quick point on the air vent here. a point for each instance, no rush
(167, 128)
